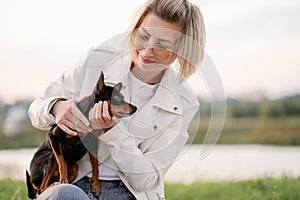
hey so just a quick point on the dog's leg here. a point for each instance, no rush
(62, 166)
(95, 175)
(94, 162)
(47, 177)
(72, 173)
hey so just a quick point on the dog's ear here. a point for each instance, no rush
(100, 83)
(118, 86)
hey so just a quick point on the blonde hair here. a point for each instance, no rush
(189, 18)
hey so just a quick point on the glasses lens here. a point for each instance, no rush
(139, 41)
(161, 53)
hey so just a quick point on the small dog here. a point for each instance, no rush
(55, 160)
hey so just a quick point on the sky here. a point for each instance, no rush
(254, 45)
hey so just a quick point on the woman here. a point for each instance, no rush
(136, 152)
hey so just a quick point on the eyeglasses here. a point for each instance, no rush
(140, 41)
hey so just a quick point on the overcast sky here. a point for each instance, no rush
(255, 45)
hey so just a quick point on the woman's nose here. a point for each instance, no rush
(148, 51)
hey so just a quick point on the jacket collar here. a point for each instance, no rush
(167, 96)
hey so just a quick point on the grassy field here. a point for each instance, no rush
(30, 137)
(261, 189)
(244, 130)
(255, 130)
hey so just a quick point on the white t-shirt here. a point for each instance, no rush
(140, 94)
(140, 91)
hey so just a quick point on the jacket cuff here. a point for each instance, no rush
(50, 102)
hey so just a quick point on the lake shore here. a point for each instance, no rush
(224, 163)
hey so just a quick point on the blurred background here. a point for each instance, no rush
(254, 45)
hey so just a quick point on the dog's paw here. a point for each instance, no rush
(96, 190)
(64, 180)
(54, 184)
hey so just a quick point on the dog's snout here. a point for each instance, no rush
(133, 109)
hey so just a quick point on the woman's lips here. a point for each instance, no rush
(146, 61)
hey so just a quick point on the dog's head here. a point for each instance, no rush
(117, 106)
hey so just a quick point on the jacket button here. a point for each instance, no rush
(154, 127)
(175, 108)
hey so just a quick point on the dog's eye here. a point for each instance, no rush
(117, 98)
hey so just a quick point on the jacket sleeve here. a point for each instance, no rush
(62, 88)
(145, 170)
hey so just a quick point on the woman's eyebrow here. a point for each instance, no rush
(160, 39)
(147, 33)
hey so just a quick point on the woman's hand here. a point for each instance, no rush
(100, 118)
(69, 118)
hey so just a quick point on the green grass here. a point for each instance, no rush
(30, 137)
(253, 130)
(244, 130)
(12, 190)
(261, 189)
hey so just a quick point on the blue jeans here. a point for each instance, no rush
(110, 190)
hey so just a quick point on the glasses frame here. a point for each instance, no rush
(146, 45)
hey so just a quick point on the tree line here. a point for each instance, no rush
(237, 108)
(288, 106)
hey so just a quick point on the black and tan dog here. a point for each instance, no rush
(55, 160)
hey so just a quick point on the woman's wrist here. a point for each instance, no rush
(55, 105)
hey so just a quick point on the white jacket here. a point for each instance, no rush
(144, 147)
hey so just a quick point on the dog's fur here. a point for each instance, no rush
(55, 160)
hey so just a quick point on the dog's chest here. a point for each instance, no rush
(73, 149)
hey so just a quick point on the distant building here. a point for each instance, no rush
(16, 115)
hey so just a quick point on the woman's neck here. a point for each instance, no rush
(149, 77)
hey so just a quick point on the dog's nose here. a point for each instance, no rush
(133, 109)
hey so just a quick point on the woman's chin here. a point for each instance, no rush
(154, 67)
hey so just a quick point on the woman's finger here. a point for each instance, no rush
(98, 113)
(79, 126)
(105, 114)
(80, 116)
(73, 123)
(92, 117)
(68, 130)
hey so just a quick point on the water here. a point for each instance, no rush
(236, 163)
(224, 163)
